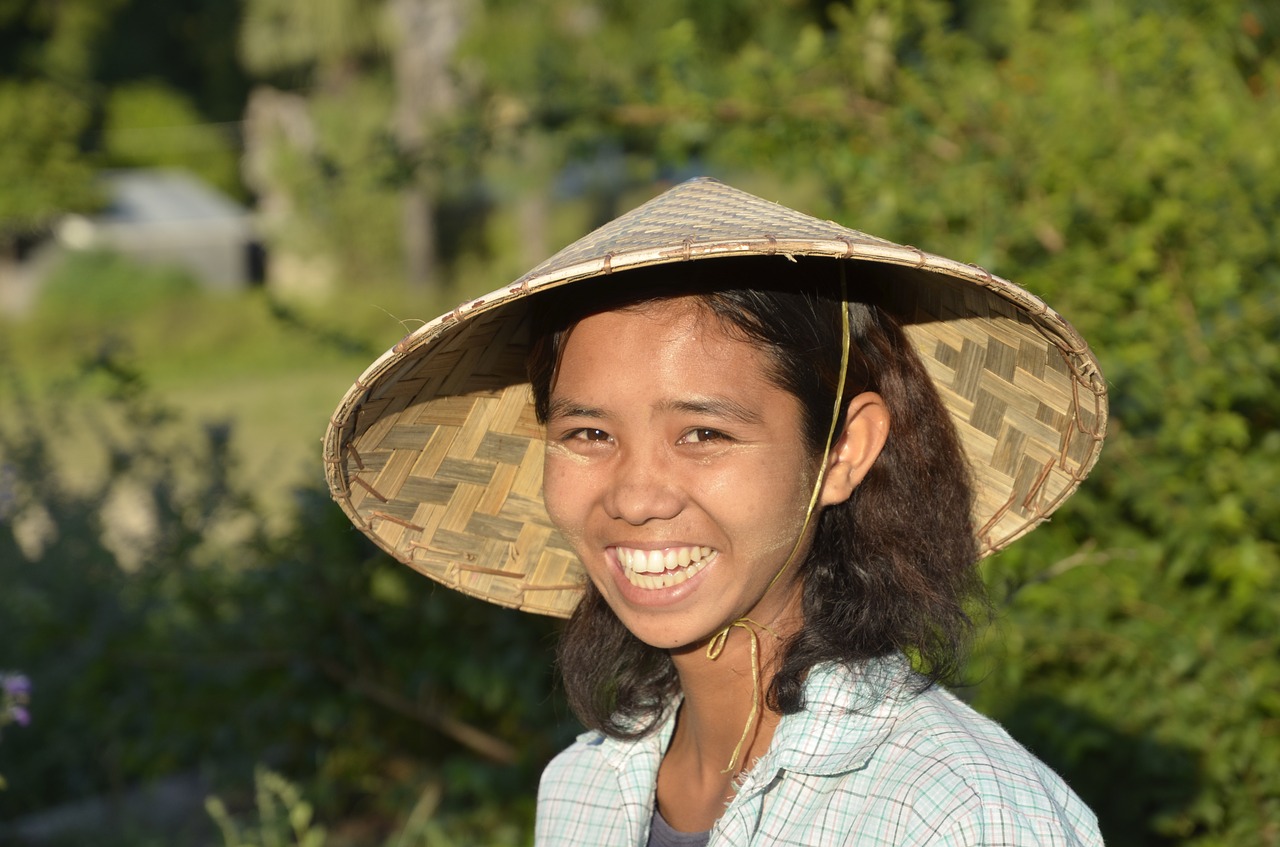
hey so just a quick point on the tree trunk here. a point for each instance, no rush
(426, 32)
(418, 231)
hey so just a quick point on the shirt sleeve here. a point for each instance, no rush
(1000, 826)
(578, 801)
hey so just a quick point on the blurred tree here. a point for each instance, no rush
(326, 43)
(187, 48)
(42, 173)
(149, 124)
(54, 41)
(66, 69)
(376, 86)
(424, 34)
(45, 59)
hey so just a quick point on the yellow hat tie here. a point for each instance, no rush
(716, 646)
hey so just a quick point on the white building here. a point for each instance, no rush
(171, 217)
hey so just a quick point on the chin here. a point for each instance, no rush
(673, 635)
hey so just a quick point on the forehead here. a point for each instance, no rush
(676, 344)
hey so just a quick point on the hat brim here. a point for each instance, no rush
(435, 452)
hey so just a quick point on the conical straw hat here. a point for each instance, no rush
(436, 455)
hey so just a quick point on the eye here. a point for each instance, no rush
(702, 435)
(587, 434)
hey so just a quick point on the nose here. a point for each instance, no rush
(643, 488)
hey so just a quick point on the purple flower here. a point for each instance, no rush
(20, 715)
(16, 685)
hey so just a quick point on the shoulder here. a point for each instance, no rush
(966, 775)
(970, 768)
(923, 765)
(577, 796)
(599, 790)
(575, 768)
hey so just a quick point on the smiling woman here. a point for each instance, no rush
(729, 349)
(679, 459)
(756, 458)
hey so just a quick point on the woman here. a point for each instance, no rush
(762, 464)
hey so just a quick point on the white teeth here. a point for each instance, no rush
(662, 568)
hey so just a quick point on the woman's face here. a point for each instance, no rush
(677, 470)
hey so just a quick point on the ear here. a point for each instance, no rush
(866, 428)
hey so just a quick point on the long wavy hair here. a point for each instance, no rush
(891, 570)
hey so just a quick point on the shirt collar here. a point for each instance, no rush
(821, 739)
(848, 714)
(620, 753)
(636, 764)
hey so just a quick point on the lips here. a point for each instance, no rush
(664, 568)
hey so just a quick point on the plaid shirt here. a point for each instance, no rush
(866, 762)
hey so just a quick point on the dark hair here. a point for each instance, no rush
(892, 570)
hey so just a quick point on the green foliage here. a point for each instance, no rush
(187, 48)
(348, 182)
(149, 124)
(15, 695)
(1117, 674)
(186, 334)
(90, 47)
(80, 619)
(134, 79)
(166, 631)
(300, 35)
(54, 41)
(284, 817)
(42, 173)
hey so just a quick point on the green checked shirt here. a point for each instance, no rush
(866, 762)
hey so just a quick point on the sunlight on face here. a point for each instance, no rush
(677, 470)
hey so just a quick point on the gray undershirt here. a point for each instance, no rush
(662, 835)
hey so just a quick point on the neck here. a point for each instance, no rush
(708, 750)
(720, 688)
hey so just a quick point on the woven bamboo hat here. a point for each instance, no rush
(436, 455)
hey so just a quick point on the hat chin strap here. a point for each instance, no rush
(716, 646)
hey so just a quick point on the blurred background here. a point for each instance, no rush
(215, 214)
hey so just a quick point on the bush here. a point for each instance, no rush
(217, 647)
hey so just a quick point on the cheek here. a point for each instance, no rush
(564, 491)
(763, 488)
(765, 509)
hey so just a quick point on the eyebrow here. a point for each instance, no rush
(569, 408)
(566, 407)
(716, 408)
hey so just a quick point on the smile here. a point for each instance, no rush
(662, 568)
